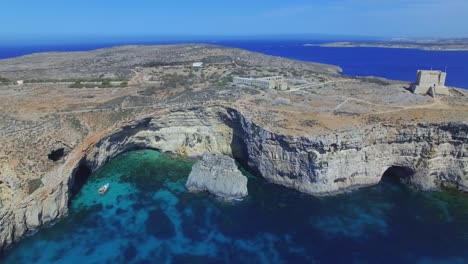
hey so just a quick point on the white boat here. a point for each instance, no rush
(104, 189)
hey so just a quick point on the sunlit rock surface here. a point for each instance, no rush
(219, 175)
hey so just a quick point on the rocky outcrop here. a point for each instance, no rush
(188, 133)
(314, 164)
(336, 163)
(219, 175)
(39, 210)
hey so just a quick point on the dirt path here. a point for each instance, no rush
(437, 104)
(137, 78)
(307, 86)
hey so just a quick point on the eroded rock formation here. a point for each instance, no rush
(318, 165)
(219, 175)
(334, 163)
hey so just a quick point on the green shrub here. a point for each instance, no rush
(75, 124)
(76, 84)
(174, 80)
(105, 84)
(5, 81)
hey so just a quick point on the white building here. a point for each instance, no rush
(430, 82)
(20, 82)
(197, 65)
(275, 82)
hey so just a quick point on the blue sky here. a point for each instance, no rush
(381, 18)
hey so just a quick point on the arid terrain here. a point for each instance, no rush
(83, 108)
(434, 45)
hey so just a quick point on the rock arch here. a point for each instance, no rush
(316, 164)
(182, 134)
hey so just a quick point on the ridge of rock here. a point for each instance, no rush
(219, 175)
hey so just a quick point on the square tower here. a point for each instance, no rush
(432, 82)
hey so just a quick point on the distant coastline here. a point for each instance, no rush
(428, 46)
(390, 63)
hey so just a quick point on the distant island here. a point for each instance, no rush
(430, 45)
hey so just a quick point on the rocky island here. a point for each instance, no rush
(64, 115)
(428, 45)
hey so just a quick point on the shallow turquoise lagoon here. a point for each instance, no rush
(148, 217)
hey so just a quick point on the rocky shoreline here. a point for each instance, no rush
(323, 165)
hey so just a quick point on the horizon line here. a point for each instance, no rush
(188, 35)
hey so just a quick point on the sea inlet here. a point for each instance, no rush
(147, 216)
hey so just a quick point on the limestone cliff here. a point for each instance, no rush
(334, 163)
(219, 175)
(316, 164)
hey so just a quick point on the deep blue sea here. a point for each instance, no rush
(398, 64)
(148, 217)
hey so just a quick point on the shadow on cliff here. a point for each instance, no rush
(239, 140)
(397, 174)
(233, 119)
(80, 177)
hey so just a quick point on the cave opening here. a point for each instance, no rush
(83, 172)
(57, 154)
(81, 176)
(397, 174)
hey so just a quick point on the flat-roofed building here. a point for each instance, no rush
(274, 82)
(197, 65)
(430, 82)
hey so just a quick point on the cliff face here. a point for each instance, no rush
(219, 175)
(315, 164)
(190, 133)
(335, 163)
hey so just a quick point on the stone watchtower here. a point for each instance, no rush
(430, 82)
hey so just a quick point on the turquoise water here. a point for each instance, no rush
(148, 217)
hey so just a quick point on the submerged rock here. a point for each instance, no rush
(219, 175)
(159, 225)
